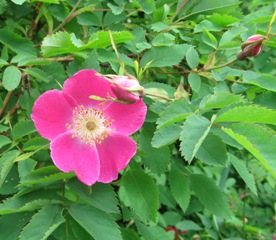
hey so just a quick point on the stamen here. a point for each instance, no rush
(90, 125)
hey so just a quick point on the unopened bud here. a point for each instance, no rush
(251, 47)
(126, 89)
(181, 92)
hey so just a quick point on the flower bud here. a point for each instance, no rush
(126, 89)
(251, 47)
(181, 92)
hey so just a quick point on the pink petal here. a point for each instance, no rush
(115, 153)
(84, 84)
(70, 154)
(51, 111)
(128, 118)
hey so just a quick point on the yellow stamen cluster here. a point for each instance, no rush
(90, 125)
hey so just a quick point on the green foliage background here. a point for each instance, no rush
(206, 163)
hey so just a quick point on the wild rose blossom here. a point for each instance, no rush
(87, 136)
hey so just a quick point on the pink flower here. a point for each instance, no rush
(251, 47)
(87, 136)
(126, 89)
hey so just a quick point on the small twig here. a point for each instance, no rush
(5, 103)
(178, 9)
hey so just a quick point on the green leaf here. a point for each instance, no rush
(43, 223)
(163, 39)
(4, 141)
(129, 234)
(57, 44)
(101, 39)
(262, 80)
(164, 56)
(244, 173)
(210, 195)
(6, 163)
(12, 224)
(19, 2)
(220, 100)
(97, 223)
(166, 135)
(230, 34)
(194, 81)
(192, 58)
(177, 111)
(11, 78)
(22, 129)
(209, 39)
(250, 114)
(17, 43)
(30, 202)
(156, 160)
(212, 151)
(101, 197)
(142, 193)
(195, 130)
(148, 6)
(180, 187)
(258, 140)
(38, 74)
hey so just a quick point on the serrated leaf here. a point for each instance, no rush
(58, 43)
(16, 43)
(166, 135)
(192, 58)
(156, 160)
(38, 74)
(6, 163)
(180, 187)
(102, 196)
(164, 56)
(129, 234)
(177, 111)
(244, 173)
(194, 81)
(212, 151)
(99, 224)
(15, 222)
(43, 223)
(4, 141)
(210, 195)
(195, 130)
(258, 140)
(262, 80)
(209, 39)
(101, 39)
(22, 129)
(142, 193)
(148, 6)
(230, 34)
(250, 114)
(11, 78)
(220, 100)
(30, 202)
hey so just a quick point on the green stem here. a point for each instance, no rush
(271, 22)
(158, 96)
(221, 66)
(5, 103)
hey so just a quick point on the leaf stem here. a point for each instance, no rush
(178, 10)
(158, 96)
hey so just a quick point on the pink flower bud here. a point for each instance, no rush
(251, 47)
(126, 89)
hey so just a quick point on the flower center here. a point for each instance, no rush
(90, 125)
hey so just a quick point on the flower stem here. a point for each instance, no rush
(158, 96)
(5, 103)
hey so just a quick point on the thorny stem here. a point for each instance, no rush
(178, 9)
(71, 15)
(5, 103)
